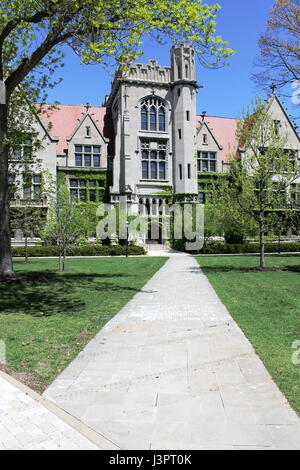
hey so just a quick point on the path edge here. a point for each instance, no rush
(96, 438)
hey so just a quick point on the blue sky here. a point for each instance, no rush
(226, 91)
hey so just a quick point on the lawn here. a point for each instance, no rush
(266, 306)
(47, 317)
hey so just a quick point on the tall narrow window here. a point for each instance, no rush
(152, 118)
(204, 139)
(87, 131)
(161, 119)
(180, 171)
(179, 71)
(37, 186)
(26, 193)
(27, 185)
(78, 159)
(162, 170)
(153, 170)
(186, 71)
(189, 170)
(27, 149)
(145, 170)
(179, 133)
(144, 118)
(187, 115)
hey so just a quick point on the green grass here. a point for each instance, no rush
(47, 317)
(266, 306)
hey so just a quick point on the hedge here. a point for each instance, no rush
(86, 250)
(285, 247)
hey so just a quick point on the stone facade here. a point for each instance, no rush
(154, 118)
(147, 137)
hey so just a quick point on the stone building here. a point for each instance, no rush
(146, 140)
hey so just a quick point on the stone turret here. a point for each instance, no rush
(184, 118)
(183, 62)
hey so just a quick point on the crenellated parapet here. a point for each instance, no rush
(150, 72)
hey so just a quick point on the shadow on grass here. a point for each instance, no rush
(49, 293)
(246, 269)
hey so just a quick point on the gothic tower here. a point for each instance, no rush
(184, 88)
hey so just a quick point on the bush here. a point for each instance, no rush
(85, 250)
(219, 248)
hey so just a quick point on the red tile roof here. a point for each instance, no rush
(65, 118)
(224, 130)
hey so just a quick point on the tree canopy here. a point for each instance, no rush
(32, 31)
(280, 45)
(258, 186)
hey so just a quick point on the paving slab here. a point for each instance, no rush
(29, 422)
(172, 370)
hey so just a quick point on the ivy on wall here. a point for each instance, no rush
(102, 178)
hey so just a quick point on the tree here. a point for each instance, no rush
(97, 30)
(280, 45)
(226, 217)
(29, 219)
(258, 184)
(63, 227)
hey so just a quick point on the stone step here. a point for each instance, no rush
(156, 247)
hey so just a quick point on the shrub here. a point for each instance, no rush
(85, 250)
(219, 248)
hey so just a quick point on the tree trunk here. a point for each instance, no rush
(64, 259)
(26, 249)
(6, 267)
(26, 235)
(262, 245)
(60, 258)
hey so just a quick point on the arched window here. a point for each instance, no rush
(153, 114)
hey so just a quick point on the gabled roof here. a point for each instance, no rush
(65, 119)
(205, 125)
(80, 123)
(224, 132)
(273, 97)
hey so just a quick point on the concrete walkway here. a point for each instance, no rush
(173, 371)
(30, 422)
